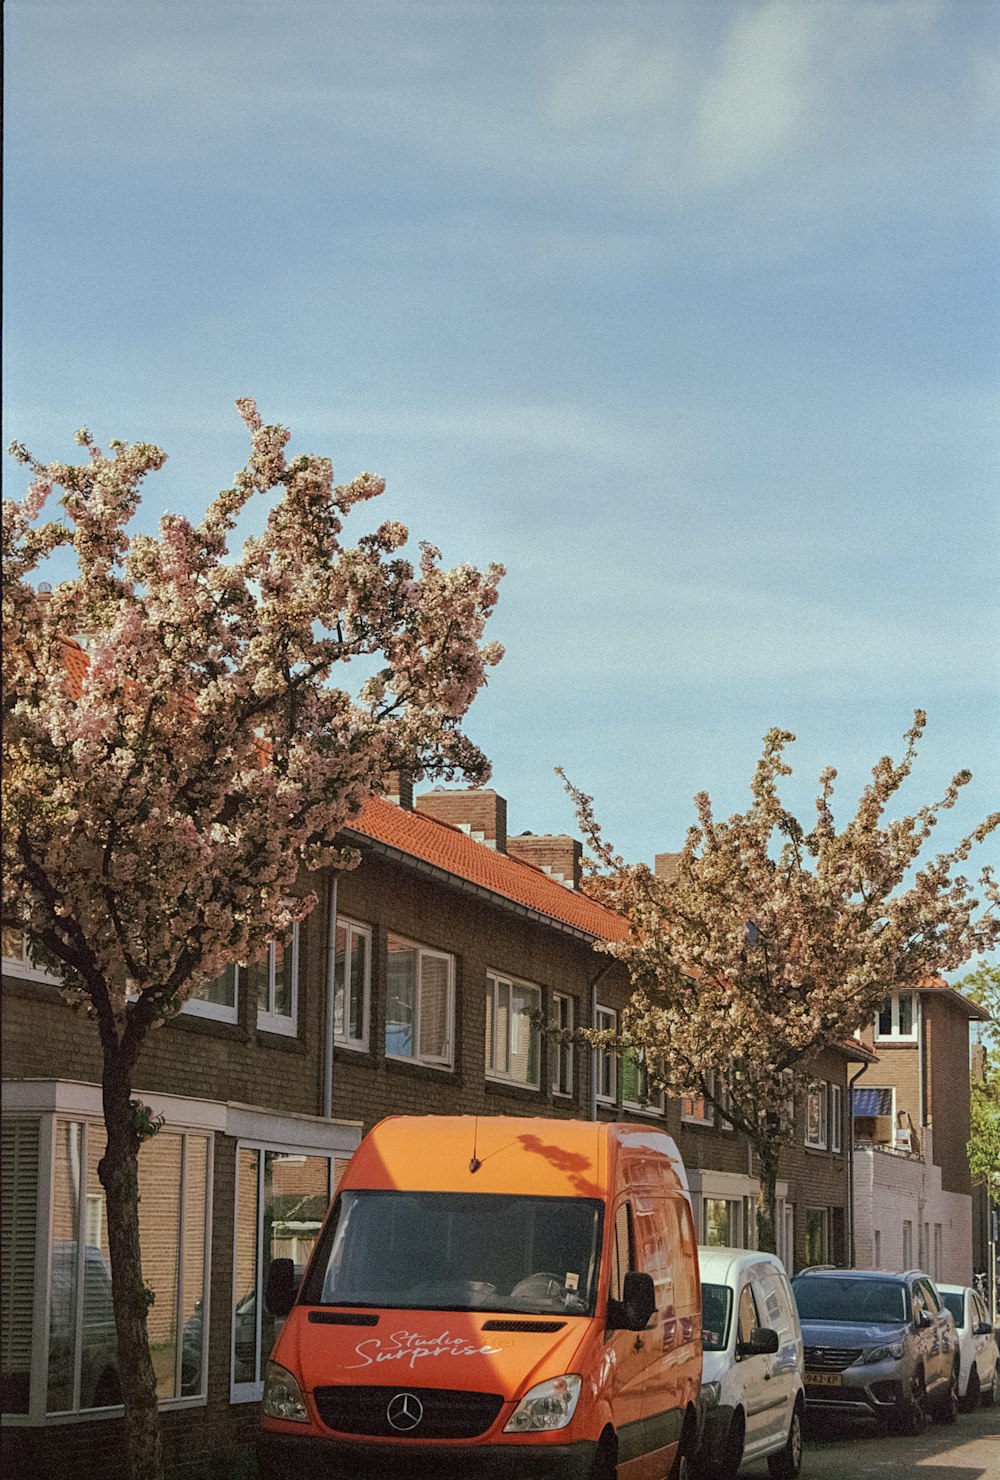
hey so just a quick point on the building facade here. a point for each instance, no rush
(912, 1189)
(417, 986)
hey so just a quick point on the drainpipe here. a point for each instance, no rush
(851, 1250)
(331, 988)
(593, 1023)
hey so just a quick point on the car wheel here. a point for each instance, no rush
(606, 1463)
(912, 1415)
(991, 1394)
(946, 1407)
(786, 1464)
(681, 1469)
(970, 1402)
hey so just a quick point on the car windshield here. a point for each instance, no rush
(954, 1301)
(870, 1302)
(716, 1307)
(459, 1251)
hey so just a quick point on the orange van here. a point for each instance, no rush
(492, 1297)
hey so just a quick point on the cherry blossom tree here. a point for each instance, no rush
(162, 809)
(983, 986)
(771, 942)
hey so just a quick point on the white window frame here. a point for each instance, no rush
(504, 985)
(816, 1093)
(722, 1122)
(653, 1103)
(708, 1109)
(252, 1392)
(276, 1022)
(45, 1104)
(894, 1035)
(836, 1117)
(605, 1059)
(432, 1061)
(23, 967)
(221, 1012)
(564, 1014)
(734, 1215)
(354, 930)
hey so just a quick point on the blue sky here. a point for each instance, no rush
(686, 311)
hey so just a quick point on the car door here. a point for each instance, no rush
(983, 1346)
(627, 1354)
(754, 1374)
(781, 1372)
(936, 1334)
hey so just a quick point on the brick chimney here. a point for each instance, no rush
(554, 854)
(479, 812)
(665, 866)
(399, 789)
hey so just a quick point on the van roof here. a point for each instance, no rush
(512, 1154)
(720, 1265)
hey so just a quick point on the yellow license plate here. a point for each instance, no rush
(824, 1379)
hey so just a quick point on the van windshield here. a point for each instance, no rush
(459, 1251)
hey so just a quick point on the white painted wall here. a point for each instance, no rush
(890, 1190)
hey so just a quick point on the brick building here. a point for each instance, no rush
(411, 988)
(912, 1190)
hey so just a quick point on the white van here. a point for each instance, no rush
(752, 1365)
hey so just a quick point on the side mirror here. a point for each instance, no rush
(983, 1329)
(763, 1342)
(924, 1319)
(639, 1299)
(281, 1286)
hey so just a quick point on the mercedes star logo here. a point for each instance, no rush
(404, 1412)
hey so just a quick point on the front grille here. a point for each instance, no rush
(830, 1358)
(440, 1413)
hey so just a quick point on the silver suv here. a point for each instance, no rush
(878, 1344)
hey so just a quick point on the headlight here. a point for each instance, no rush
(710, 1393)
(550, 1405)
(283, 1396)
(891, 1352)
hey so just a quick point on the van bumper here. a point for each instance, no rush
(303, 1457)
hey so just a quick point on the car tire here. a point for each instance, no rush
(991, 1394)
(946, 1407)
(732, 1454)
(786, 1464)
(970, 1402)
(606, 1464)
(911, 1417)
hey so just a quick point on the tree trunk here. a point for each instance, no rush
(118, 1172)
(767, 1220)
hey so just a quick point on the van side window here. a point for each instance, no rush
(747, 1318)
(622, 1251)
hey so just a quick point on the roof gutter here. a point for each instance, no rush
(466, 886)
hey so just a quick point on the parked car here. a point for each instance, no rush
(979, 1371)
(878, 1344)
(752, 1365)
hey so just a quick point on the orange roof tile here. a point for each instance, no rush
(452, 852)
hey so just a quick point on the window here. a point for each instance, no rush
(275, 981)
(816, 1114)
(897, 1017)
(512, 1035)
(636, 1091)
(74, 1356)
(622, 1251)
(281, 1200)
(218, 998)
(562, 1052)
(17, 961)
(836, 1115)
(420, 1004)
(696, 1110)
(721, 1221)
(817, 1236)
(605, 1060)
(352, 984)
(722, 1089)
(748, 1319)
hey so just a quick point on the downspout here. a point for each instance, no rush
(331, 990)
(851, 1251)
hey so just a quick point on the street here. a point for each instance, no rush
(851, 1450)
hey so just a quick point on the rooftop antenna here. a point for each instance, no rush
(475, 1163)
